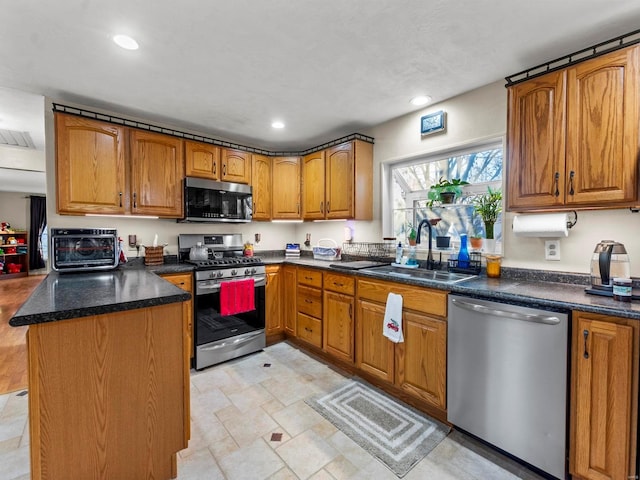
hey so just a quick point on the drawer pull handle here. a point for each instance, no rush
(586, 334)
(135, 202)
(308, 278)
(308, 301)
(120, 195)
(338, 284)
(224, 170)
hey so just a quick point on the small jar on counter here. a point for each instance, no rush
(493, 266)
(622, 289)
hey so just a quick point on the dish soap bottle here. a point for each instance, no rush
(399, 253)
(463, 253)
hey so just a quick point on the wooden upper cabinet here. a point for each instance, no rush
(90, 166)
(261, 185)
(338, 183)
(603, 121)
(573, 136)
(286, 188)
(536, 142)
(235, 166)
(313, 182)
(201, 160)
(604, 397)
(156, 174)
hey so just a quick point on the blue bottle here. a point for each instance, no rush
(463, 254)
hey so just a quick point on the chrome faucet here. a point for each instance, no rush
(431, 264)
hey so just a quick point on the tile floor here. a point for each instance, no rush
(236, 408)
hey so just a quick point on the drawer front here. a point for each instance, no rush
(339, 283)
(182, 280)
(310, 329)
(426, 300)
(313, 278)
(310, 301)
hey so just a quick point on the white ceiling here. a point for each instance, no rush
(325, 68)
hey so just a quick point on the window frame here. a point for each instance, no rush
(465, 148)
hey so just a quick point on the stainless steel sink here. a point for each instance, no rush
(421, 274)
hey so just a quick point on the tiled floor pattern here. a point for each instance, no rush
(236, 408)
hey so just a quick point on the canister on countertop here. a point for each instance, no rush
(622, 289)
(493, 266)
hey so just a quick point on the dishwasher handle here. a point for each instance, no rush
(525, 317)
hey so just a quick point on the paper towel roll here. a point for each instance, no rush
(544, 225)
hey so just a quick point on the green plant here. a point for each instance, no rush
(489, 206)
(445, 186)
(411, 232)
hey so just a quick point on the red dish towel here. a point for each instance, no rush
(237, 297)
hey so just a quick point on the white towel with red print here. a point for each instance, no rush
(392, 328)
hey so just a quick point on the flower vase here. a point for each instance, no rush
(489, 245)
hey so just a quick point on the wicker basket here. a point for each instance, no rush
(153, 255)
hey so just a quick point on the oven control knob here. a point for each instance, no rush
(219, 274)
(247, 271)
(234, 272)
(253, 270)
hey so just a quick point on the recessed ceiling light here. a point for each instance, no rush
(421, 100)
(277, 125)
(125, 41)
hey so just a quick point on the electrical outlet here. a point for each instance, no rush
(552, 250)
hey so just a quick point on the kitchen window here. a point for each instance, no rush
(409, 186)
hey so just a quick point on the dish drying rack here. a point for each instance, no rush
(474, 265)
(381, 251)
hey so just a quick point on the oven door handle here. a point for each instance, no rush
(233, 341)
(258, 281)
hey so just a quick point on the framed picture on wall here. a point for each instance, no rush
(432, 123)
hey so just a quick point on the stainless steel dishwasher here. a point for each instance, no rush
(507, 379)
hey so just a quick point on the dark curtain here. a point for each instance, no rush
(38, 222)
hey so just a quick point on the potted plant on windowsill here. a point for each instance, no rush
(489, 206)
(446, 191)
(411, 234)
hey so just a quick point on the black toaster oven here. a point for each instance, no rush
(83, 249)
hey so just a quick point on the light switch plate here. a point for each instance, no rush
(552, 250)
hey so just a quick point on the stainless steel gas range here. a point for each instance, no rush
(229, 302)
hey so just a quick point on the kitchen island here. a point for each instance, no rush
(108, 375)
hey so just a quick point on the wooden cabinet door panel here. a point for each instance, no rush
(603, 112)
(156, 174)
(289, 296)
(603, 381)
(201, 160)
(90, 166)
(374, 352)
(273, 292)
(236, 166)
(262, 186)
(313, 186)
(338, 325)
(286, 188)
(422, 358)
(536, 142)
(339, 186)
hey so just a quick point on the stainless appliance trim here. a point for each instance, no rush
(206, 287)
(476, 307)
(507, 380)
(86, 264)
(220, 186)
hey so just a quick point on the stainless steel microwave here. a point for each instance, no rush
(210, 201)
(84, 249)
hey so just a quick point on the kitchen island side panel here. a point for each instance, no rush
(107, 395)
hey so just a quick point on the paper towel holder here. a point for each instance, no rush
(571, 224)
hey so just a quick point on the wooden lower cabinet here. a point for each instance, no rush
(421, 368)
(310, 329)
(185, 282)
(338, 325)
(289, 300)
(375, 354)
(273, 292)
(106, 395)
(604, 397)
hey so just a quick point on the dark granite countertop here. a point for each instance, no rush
(531, 288)
(73, 295)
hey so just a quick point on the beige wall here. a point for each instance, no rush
(14, 208)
